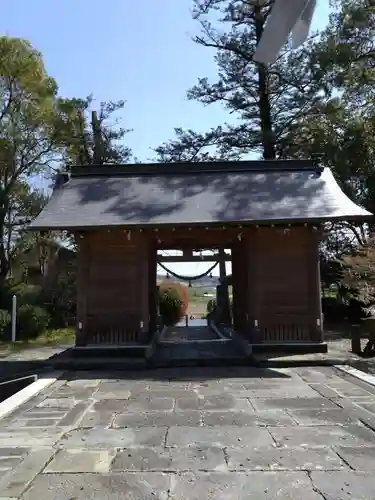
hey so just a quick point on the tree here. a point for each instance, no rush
(192, 146)
(99, 140)
(31, 127)
(345, 57)
(24, 205)
(359, 273)
(266, 100)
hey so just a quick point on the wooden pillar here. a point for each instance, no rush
(83, 276)
(316, 290)
(143, 287)
(240, 286)
(223, 296)
(152, 288)
(253, 290)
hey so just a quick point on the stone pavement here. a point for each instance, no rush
(203, 433)
(187, 334)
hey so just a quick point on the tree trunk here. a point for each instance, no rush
(264, 104)
(4, 262)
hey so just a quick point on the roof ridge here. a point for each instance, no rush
(185, 168)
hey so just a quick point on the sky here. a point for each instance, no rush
(140, 51)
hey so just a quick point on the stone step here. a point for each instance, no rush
(128, 351)
(91, 363)
(223, 353)
(198, 362)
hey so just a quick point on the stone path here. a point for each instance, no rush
(196, 345)
(178, 434)
(189, 334)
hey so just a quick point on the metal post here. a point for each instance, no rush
(14, 317)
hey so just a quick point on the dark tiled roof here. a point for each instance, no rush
(140, 195)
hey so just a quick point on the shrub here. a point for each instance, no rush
(173, 302)
(5, 323)
(31, 321)
(27, 294)
(333, 310)
(211, 305)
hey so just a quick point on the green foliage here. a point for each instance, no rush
(264, 101)
(344, 57)
(358, 274)
(31, 321)
(5, 323)
(27, 294)
(96, 138)
(211, 305)
(32, 127)
(173, 302)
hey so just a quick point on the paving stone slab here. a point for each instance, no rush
(342, 485)
(13, 452)
(157, 393)
(30, 438)
(78, 394)
(351, 391)
(137, 388)
(148, 404)
(134, 486)
(195, 458)
(83, 383)
(243, 486)
(141, 459)
(223, 384)
(245, 418)
(111, 405)
(74, 415)
(34, 423)
(292, 403)
(323, 417)
(39, 413)
(56, 403)
(120, 438)
(13, 484)
(318, 374)
(9, 462)
(324, 390)
(158, 419)
(115, 394)
(216, 402)
(345, 435)
(359, 458)
(251, 458)
(95, 418)
(218, 436)
(80, 461)
(286, 384)
(368, 406)
(302, 391)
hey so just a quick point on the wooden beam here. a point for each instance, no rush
(193, 258)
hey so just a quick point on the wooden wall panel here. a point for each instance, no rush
(83, 268)
(240, 285)
(152, 288)
(117, 286)
(285, 284)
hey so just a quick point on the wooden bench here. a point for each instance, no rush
(369, 334)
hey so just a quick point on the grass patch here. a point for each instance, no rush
(50, 338)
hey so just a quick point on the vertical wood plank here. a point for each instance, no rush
(83, 277)
(152, 287)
